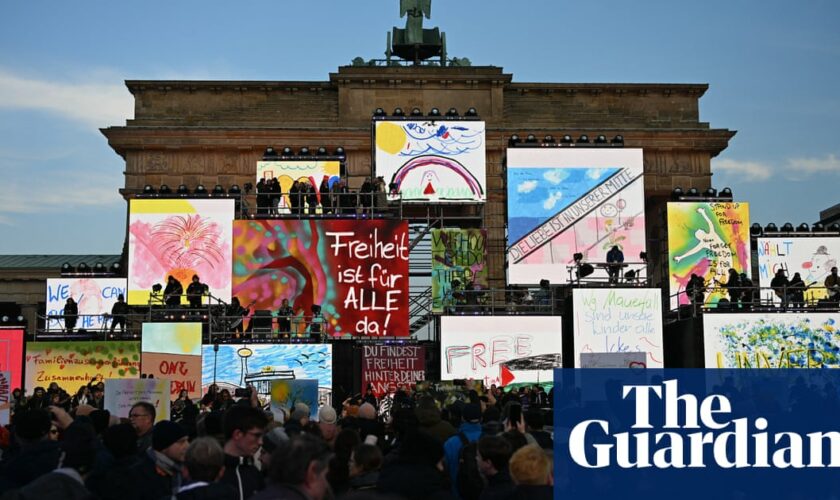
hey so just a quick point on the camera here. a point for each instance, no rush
(242, 393)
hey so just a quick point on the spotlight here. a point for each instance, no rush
(549, 139)
(148, 189)
(531, 139)
(601, 140)
(116, 268)
(201, 190)
(83, 268)
(803, 228)
(235, 189)
(434, 112)
(755, 229)
(630, 275)
(710, 193)
(787, 227)
(398, 112)
(165, 189)
(339, 151)
(20, 319)
(818, 227)
(618, 140)
(322, 151)
(726, 193)
(643, 256)
(583, 139)
(379, 112)
(66, 268)
(514, 140)
(452, 112)
(5, 319)
(287, 151)
(578, 257)
(416, 112)
(218, 190)
(183, 190)
(694, 192)
(269, 153)
(835, 227)
(471, 112)
(304, 151)
(567, 139)
(771, 228)
(99, 268)
(677, 193)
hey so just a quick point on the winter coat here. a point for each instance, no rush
(243, 476)
(212, 491)
(433, 425)
(31, 463)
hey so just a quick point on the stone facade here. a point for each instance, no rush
(213, 132)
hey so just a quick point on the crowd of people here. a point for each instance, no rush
(304, 197)
(478, 446)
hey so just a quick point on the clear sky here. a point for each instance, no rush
(773, 68)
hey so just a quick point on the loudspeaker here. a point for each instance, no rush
(261, 321)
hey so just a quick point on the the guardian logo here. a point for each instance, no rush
(730, 442)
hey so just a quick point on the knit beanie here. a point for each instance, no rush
(165, 433)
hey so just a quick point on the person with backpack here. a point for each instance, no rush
(460, 452)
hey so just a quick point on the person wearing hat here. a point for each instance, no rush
(272, 441)
(160, 469)
(468, 432)
(327, 422)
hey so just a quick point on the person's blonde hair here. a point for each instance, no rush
(531, 465)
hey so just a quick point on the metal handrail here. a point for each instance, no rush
(755, 298)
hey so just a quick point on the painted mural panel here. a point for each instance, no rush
(500, 349)
(173, 351)
(357, 271)
(74, 364)
(95, 298)
(754, 340)
(387, 367)
(288, 171)
(236, 365)
(706, 239)
(563, 201)
(432, 161)
(180, 238)
(812, 258)
(459, 263)
(11, 355)
(619, 320)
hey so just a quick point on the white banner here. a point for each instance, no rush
(812, 258)
(94, 296)
(618, 320)
(501, 349)
(563, 201)
(432, 161)
(122, 394)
